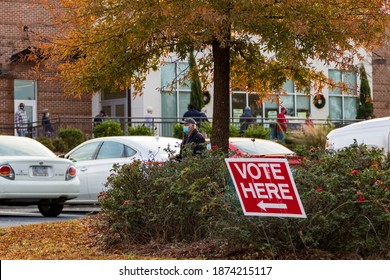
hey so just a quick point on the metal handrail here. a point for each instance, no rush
(163, 125)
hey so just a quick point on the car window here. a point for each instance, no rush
(129, 152)
(23, 147)
(85, 152)
(111, 150)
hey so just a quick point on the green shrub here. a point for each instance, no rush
(71, 137)
(257, 131)
(107, 128)
(347, 201)
(170, 202)
(47, 142)
(140, 130)
(345, 195)
(206, 128)
(178, 131)
(233, 131)
(60, 146)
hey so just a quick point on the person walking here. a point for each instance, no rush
(281, 127)
(192, 139)
(21, 120)
(193, 113)
(149, 118)
(101, 117)
(46, 123)
(246, 119)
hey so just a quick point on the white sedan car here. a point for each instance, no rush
(31, 174)
(95, 158)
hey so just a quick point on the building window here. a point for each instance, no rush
(343, 106)
(296, 103)
(175, 89)
(175, 94)
(288, 102)
(239, 100)
(238, 103)
(25, 90)
(271, 107)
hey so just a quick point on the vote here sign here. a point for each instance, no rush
(265, 187)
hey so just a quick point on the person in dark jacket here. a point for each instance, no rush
(193, 113)
(46, 123)
(192, 138)
(246, 119)
(101, 117)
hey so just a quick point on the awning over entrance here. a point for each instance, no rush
(21, 56)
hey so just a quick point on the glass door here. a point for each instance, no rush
(116, 111)
(25, 91)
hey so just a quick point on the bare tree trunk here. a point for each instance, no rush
(221, 115)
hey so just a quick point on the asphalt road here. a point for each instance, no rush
(16, 216)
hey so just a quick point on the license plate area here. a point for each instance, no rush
(40, 171)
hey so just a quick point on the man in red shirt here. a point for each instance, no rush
(281, 124)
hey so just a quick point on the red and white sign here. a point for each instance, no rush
(265, 187)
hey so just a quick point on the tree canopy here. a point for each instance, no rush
(253, 45)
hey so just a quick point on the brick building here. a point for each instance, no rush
(381, 81)
(18, 82)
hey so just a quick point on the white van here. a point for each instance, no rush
(373, 133)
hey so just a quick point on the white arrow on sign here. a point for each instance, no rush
(264, 205)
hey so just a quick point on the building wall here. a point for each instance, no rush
(152, 94)
(151, 97)
(381, 81)
(18, 20)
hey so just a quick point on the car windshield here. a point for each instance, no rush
(23, 147)
(261, 147)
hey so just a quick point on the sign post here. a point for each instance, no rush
(265, 187)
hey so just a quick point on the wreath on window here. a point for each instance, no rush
(206, 97)
(319, 101)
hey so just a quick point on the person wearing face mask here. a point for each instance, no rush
(192, 138)
(46, 123)
(21, 120)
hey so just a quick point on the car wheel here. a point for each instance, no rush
(50, 210)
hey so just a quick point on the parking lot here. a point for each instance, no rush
(16, 216)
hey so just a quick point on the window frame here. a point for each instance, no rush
(264, 109)
(336, 93)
